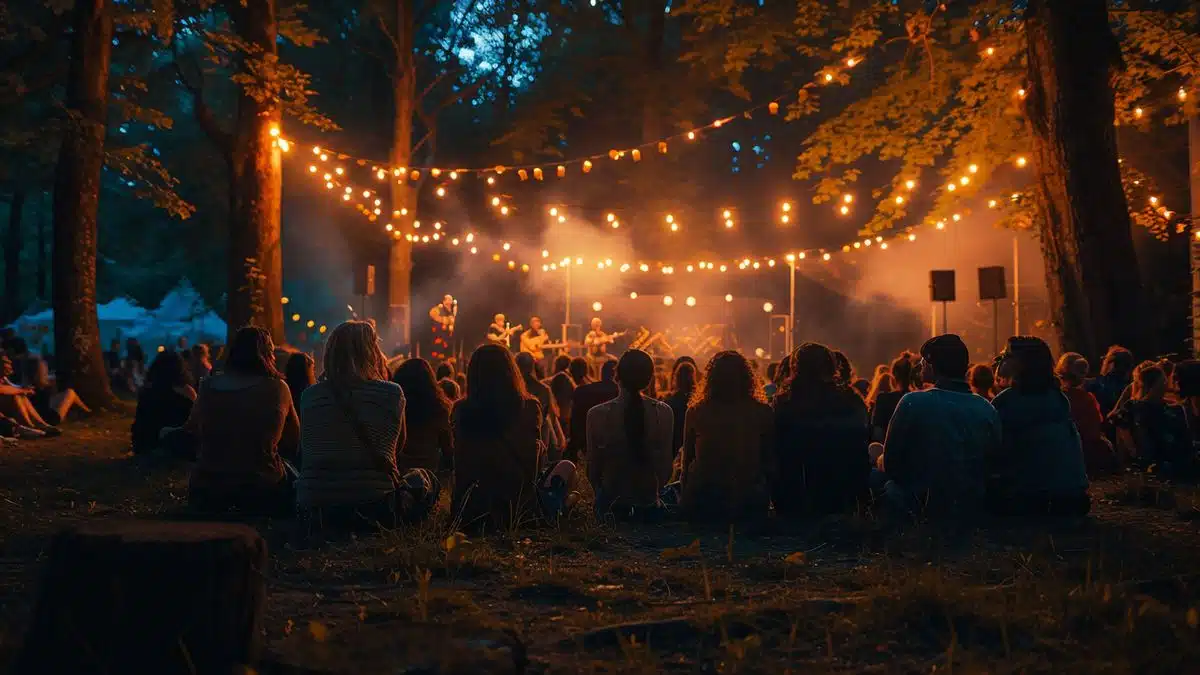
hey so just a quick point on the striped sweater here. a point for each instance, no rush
(335, 468)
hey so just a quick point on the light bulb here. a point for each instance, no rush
(785, 207)
(899, 199)
(611, 217)
(848, 198)
(728, 297)
(690, 302)
(495, 201)
(668, 300)
(910, 184)
(768, 307)
(633, 295)
(553, 211)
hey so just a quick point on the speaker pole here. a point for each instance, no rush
(995, 327)
(1016, 286)
(945, 318)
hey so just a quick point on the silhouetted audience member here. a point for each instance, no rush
(352, 426)
(1116, 373)
(1159, 429)
(982, 379)
(903, 371)
(461, 380)
(562, 388)
(728, 460)
(51, 403)
(821, 437)
(497, 447)
(429, 442)
(164, 402)
(300, 373)
(552, 433)
(683, 387)
(1187, 387)
(200, 364)
(15, 403)
(629, 443)
(562, 363)
(1098, 455)
(862, 387)
(444, 370)
(585, 398)
(938, 439)
(450, 389)
(845, 369)
(1039, 467)
(770, 387)
(246, 426)
(579, 371)
(884, 384)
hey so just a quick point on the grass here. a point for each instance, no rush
(1114, 593)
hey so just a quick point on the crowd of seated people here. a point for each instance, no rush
(372, 441)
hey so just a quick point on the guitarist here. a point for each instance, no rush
(596, 343)
(443, 316)
(533, 339)
(499, 333)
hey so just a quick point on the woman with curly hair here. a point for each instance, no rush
(728, 445)
(245, 424)
(822, 432)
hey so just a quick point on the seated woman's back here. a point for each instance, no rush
(1040, 449)
(821, 433)
(427, 439)
(349, 433)
(165, 401)
(629, 440)
(497, 450)
(728, 449)
(242, 424)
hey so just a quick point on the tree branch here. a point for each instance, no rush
(205, 116)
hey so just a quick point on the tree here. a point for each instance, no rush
(944, 89)
(79, 361)
(1091, 272)
(12, 258)
(267, 88)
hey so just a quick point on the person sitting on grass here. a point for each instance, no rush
(1187, 387)
(450, 389)
(300, 373)
(578, 370)
(1162, 442)
(164, 402)
(552, 434)
(428, 443)
(629, 443)
(1039, 469)
(562, 389)
(1116, 373)
(821, 437)
(497, 448)
(884, 383)
(728, 458)
(586, 397)
(352, 424)
(683, 389)
(885, 403)
(938, 439)
(199, 363)
(982, 380)
(245, 426)
(50, 403)
(1098, 455)
(15, 403)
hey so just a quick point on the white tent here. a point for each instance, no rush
(116, 319)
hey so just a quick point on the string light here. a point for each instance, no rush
(848, 198)
(728, 297)
(910, 184)
(690, 302)
(633, 295)
(1021, 161)
(495, 201)
(668, 300)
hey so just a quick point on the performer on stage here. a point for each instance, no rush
(499, 333)
(533, 339)
(597, 342)
(443, 316)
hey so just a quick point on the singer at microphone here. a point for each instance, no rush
(443, 316)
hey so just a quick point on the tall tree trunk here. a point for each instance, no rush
(255, 255)
(79, 361)
(41, 249)
(404, 196)
(12, 259)
(1092, 276)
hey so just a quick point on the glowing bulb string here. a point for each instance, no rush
(826, 76)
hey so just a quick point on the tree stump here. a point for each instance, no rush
(149, 596)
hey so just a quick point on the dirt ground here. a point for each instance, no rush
(1117, 592)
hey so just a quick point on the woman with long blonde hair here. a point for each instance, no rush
(352, 426)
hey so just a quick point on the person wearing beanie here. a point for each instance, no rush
(938, 438)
